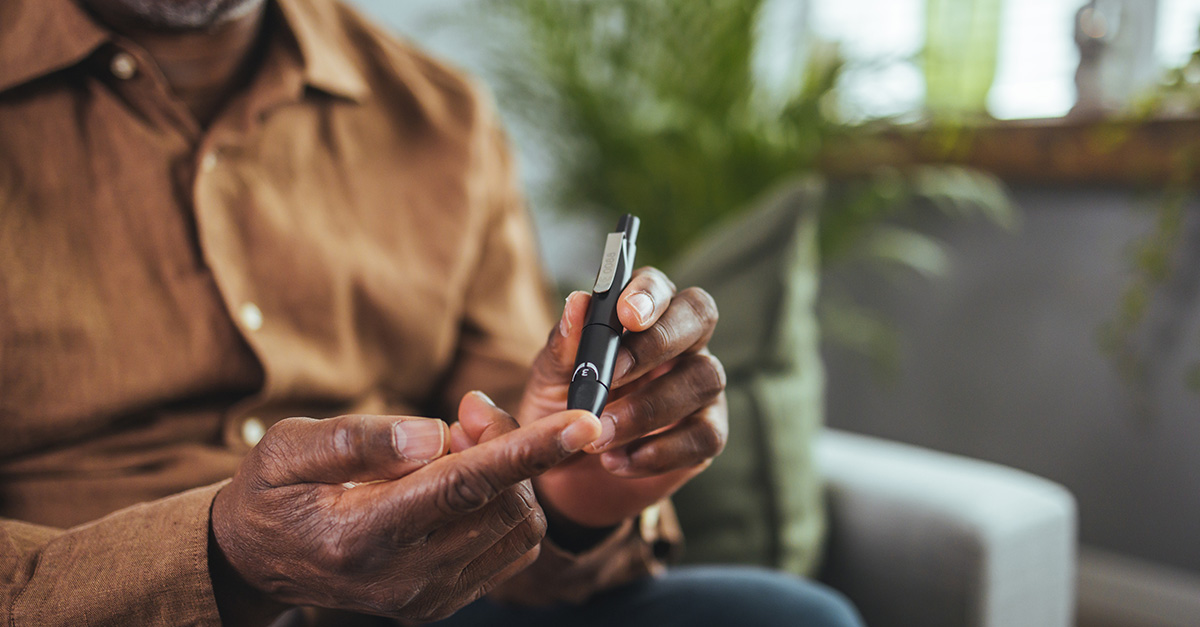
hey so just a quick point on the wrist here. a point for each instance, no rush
(573, 536)
(238, 602)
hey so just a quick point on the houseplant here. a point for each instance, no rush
(660, 109)
(657, 108)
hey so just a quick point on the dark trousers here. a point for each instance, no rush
(692, 597)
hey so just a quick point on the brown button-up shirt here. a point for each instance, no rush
(345, 237)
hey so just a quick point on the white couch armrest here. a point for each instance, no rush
(919, 537)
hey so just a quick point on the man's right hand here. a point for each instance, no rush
(370, 513)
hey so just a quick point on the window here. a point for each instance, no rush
(1036, 55)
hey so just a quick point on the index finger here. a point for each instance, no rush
(459, 484)
(645, 299)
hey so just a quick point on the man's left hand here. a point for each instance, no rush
(666, 417)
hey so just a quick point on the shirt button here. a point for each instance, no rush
(123, 66)
(208, 162)
(251, 316)
(649, 522)
(253, 431)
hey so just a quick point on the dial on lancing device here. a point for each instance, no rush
(601, 336)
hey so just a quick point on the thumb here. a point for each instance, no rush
(554, 364)
(357, 448)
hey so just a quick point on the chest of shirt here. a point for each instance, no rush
(323, 242)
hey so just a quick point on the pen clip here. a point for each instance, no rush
(614, 251)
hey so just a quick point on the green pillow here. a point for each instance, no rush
(760, 502)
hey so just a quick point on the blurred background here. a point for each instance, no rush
(1010, 245)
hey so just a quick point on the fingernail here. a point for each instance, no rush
(577, 435)
(419, 440)
(623, 366)
(564, 325)
(484, 397)
(608, 431)
(643, 305)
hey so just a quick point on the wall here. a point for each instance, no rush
(1001, 362)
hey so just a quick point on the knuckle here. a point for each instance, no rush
(709, 376)
(642, 410)
(529, 533)
(702, 305)
(708, 440)
(347, 435)
(513, 509)
(655, 460)
(538, 527)
(332, 551)
(530, 459)
(660, 338)
(346, 441)
(280, 438)
(267, 463)
(464, 490)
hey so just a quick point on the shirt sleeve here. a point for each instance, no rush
(143, 565)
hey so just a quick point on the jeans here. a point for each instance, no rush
(692, 597)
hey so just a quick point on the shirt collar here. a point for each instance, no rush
(38, 37)
(324, 48)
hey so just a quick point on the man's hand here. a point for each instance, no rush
(666, 417)
(351, 513)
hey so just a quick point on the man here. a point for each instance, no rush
(218, 215)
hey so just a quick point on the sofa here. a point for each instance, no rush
(921, 538)
(912, 536)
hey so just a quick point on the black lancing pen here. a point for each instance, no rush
(601, 336)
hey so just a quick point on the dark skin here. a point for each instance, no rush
(339, 513)
(666, 419)
(288, 527)
(203, 67)
(412, 539)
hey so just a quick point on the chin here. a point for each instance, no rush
(178, 14)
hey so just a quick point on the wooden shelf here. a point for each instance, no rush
(1052, 151)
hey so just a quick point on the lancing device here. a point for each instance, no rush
(597, 354)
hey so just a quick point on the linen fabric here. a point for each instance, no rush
(345, 237)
